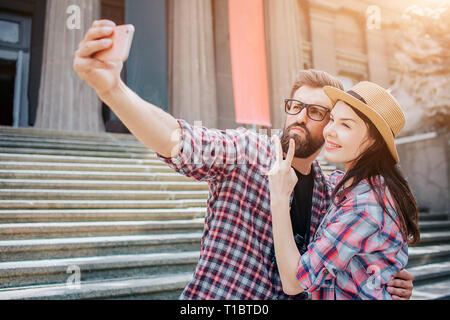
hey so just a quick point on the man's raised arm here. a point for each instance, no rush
(155, 128)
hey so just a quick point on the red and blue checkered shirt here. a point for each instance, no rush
(236, 257)
(356, 250)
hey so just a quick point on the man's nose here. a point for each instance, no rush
(302, 116)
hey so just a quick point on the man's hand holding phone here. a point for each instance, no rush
(98, 61)
(100, 55)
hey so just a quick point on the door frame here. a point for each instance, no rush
(19, 52)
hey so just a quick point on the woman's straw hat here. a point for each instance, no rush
(378, 105)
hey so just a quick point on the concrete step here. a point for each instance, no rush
(421, 255)
(86, 141)
(9, 231)
(24, 158)
(32, 249)
(117, 211)
(432, 291)
(430, 272)
(52, 194)
(38, 272)
(52, 133)
(114, 214)
(167, 286)
(102, 156)
(145, 286)
(102, 185)
(426, 226)
(50, 166)
(88, 175)
(436, 237)
(433, 216)
(17, 230)
(80, 146)
(101, 204)
(66, 215)
(91, 153)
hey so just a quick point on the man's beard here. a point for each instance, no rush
(304, 146)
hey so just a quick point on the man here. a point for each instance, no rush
(237, 257)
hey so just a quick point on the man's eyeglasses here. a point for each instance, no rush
(314, 111)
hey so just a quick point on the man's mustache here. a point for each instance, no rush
(302, 126)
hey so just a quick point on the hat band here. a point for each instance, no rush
(357, 96)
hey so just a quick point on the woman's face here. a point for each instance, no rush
(346, 135)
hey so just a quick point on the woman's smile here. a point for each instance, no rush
(331, 145)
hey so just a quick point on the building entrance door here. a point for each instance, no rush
(15, 31)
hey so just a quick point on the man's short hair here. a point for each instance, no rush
(315, 79)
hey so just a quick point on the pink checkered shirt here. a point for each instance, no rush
(356, 250)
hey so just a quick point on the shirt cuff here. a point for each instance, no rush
(185, 145)
(314, 270)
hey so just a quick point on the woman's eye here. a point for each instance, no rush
(346, 125)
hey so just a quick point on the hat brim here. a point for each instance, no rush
(336, 94)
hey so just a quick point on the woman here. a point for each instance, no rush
(363, 239)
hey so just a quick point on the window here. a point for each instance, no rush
(9, 31)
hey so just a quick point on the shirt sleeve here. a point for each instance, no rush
(208, 154)
(348, 233)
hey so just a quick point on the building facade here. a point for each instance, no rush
(180, 59)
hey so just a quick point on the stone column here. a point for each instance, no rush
(322, 15)
(192, 82)
(377, 57)
(225, 96)
(65, 101)
(284, 43)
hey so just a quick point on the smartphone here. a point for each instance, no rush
(122, 38)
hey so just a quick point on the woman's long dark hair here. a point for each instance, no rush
(377, 161)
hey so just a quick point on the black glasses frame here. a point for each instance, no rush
(308, 108)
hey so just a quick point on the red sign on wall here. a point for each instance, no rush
(248, 62)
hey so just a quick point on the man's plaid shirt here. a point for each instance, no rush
(236, 257)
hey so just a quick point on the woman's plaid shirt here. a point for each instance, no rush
(356, 250)
(237, 245)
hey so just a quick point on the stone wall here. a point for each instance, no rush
(426, 165)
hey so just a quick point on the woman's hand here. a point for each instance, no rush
(101, 76)
(282, 177)
(282, 180)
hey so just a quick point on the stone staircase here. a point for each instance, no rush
(98, 216)
(429, 262)
(99, 208)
